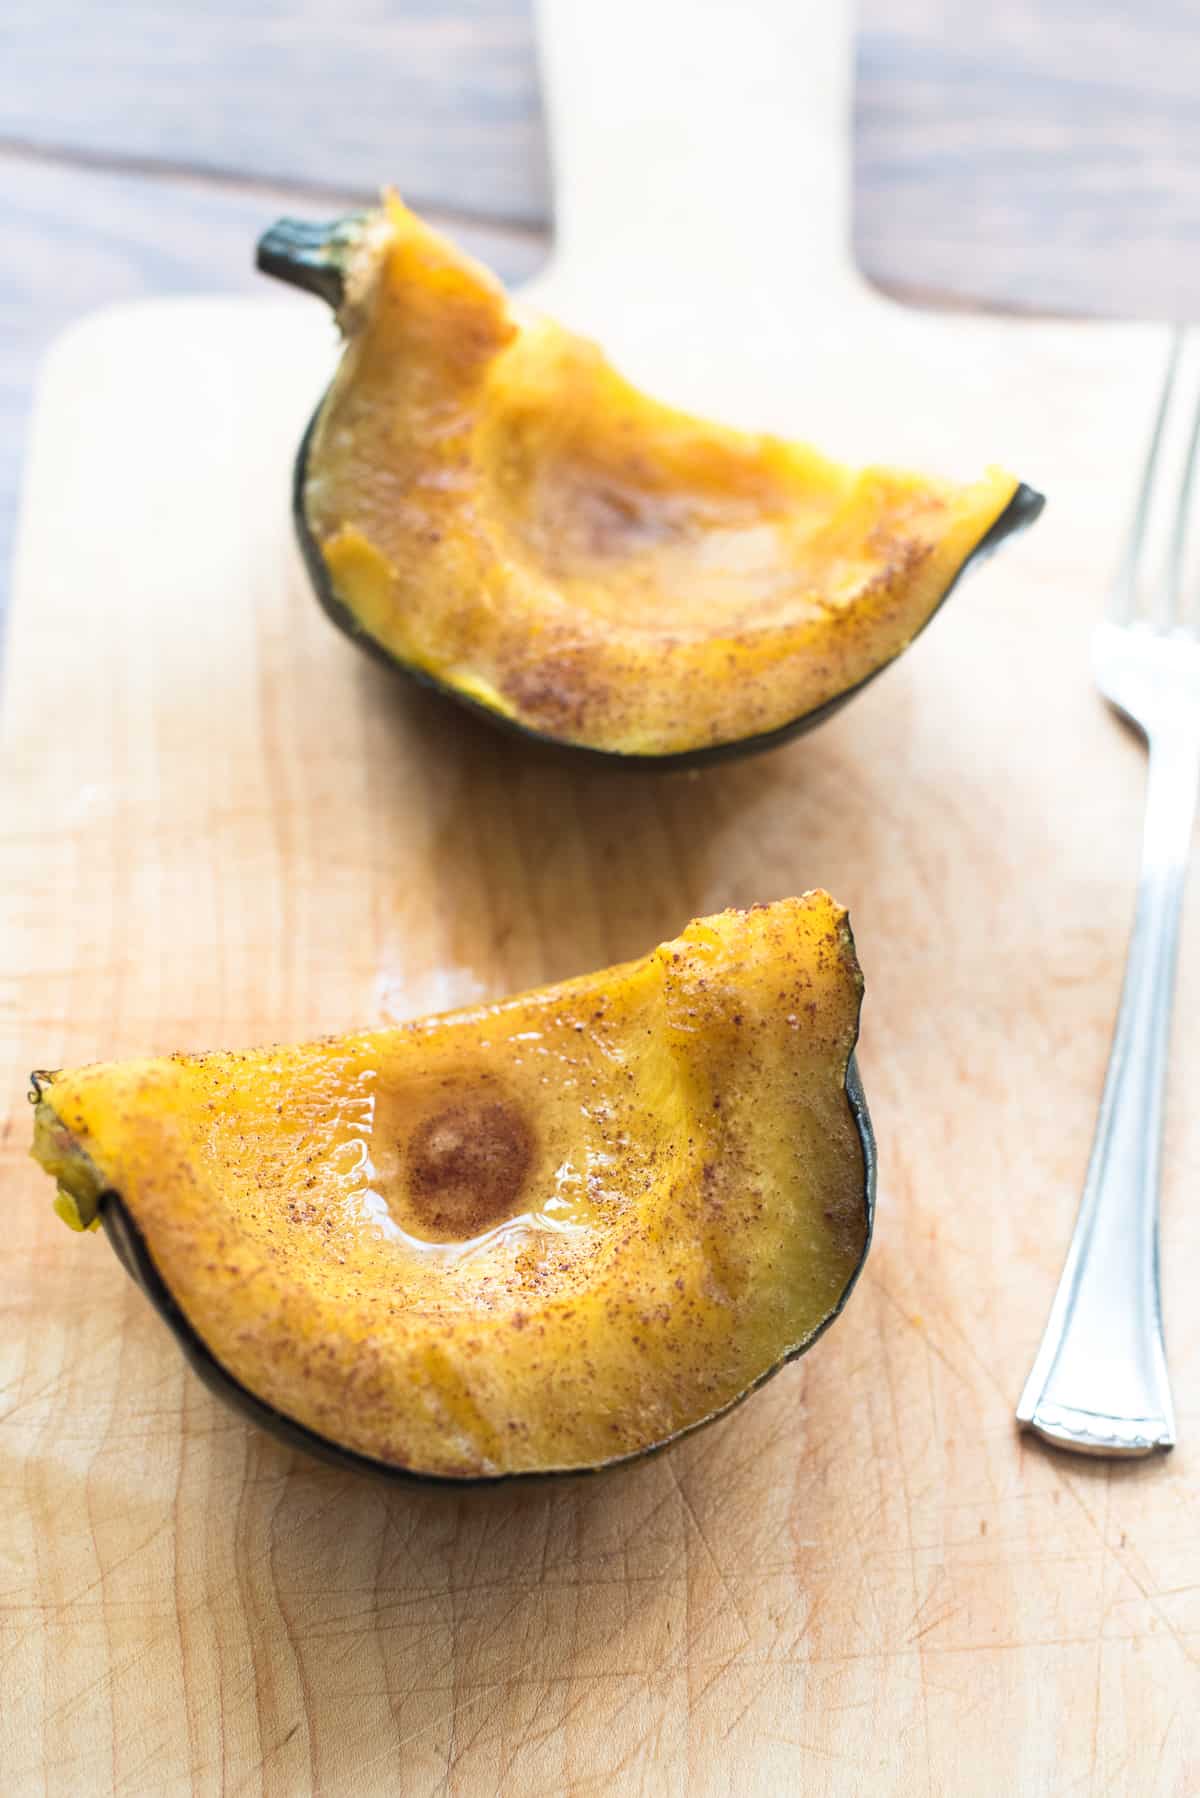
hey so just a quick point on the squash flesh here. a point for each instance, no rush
(545, 1234)
(499, 509)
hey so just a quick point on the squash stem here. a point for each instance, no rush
(311, 256)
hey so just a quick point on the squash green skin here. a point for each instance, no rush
(313, 257)
(132, 1251)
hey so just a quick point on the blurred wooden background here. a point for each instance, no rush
(1043, 156)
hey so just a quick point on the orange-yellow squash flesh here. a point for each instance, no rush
(498, 509)
(543, 1234)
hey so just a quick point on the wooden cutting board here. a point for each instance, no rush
(221, 826)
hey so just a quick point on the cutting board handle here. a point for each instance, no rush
(700, 141)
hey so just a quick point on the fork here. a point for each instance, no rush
(1099, 1383)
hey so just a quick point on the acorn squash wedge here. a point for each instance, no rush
(542, 1236)
(483, 501)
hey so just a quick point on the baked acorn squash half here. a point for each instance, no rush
(546, 1235)
(482, 500)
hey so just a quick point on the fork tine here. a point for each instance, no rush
(1124, 595)
(1173, 585)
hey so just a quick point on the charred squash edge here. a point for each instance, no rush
(311, 256)
(133, 1252)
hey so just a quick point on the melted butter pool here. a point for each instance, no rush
(452, 1167)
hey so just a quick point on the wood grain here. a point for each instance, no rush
(218, 824)
(238, 829)
(999, 160)
(81, 238)
(444, 99)
(1041, 155)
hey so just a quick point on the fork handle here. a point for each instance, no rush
(1099, 1384)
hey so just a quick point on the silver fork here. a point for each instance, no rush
(1099, 1384)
